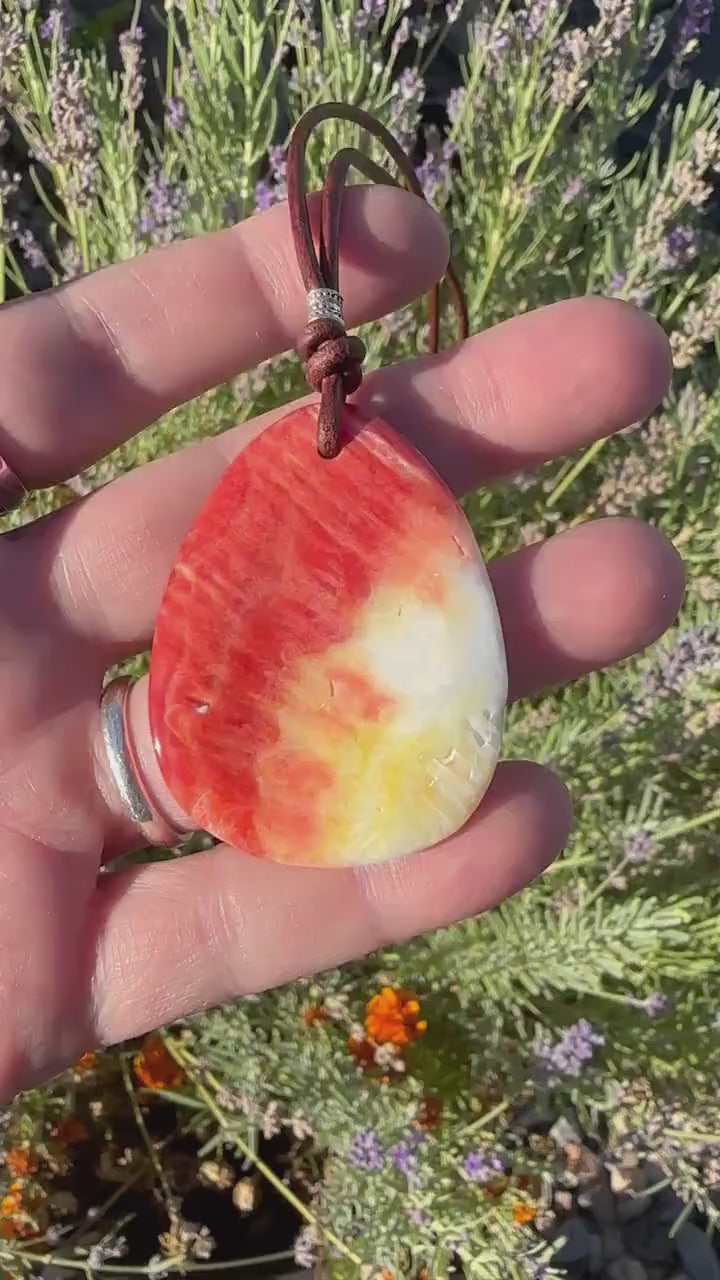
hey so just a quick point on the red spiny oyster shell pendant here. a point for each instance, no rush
(328, 675)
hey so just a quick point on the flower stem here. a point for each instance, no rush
(190, 1063)
(152, 1153)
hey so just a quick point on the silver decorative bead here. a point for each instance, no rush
(325, 304)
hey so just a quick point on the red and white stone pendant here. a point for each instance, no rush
(328, 674)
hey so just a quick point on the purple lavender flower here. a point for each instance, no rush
(165, 205)
(408, 95)
(60, 20)
(656, 1004)
(365, 1151)
(130, 45)
(264, 196)
(500, 40)
(31, 250)
(696, 20)
(568, 1055)
(410, 86)
(175, 114)
(535, 17)
(482, 1166)
(639, 846)
(679, 247)
(277, 159)
(75, 130)
(369, 16)
(401, 36)
(434, 171)
(617, 281)
(455, 103)
(404, 1156)
(692, 653)
(71, 264)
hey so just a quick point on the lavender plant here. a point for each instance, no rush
(442, 1104)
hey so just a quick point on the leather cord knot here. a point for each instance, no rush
(327, 351)
(332, 359)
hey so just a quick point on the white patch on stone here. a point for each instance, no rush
(424, 653)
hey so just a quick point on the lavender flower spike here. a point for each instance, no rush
(656, 1004)
(365, 1151)
(175, 114)
(482, 1166)
(130, 46)
(405, 1158)
(568, 1055)
(639, 847)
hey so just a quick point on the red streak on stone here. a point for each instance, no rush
(274, 569)
(354, 697)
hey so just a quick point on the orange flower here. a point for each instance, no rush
(523, 1213)
(69, 1130)
(429, 1112)
(392, 1017)
(314, 1013)
(21, 1161)
(11, 1203)
(155, 1067)
(8, 1229)
(86, 1063)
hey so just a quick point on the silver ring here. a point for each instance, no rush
(325, 304)
(153, 827)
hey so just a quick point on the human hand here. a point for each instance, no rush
(85, 961)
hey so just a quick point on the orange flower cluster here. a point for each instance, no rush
(11, 1202)
(21, 1161)
(87, 1062)
(523, 1213)
(314, 1013)
(393, 1017)
(155, 1067)
(15, 1223)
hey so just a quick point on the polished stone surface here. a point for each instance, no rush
(328, 673)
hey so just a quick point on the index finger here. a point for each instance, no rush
(86, 366)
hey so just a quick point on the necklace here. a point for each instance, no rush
(327, 678)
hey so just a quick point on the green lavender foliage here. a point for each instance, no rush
(624, 930)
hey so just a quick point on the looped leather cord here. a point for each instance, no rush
(332, 360)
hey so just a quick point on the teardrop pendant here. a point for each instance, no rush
(328, 676)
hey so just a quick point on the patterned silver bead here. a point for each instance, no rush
(325, 304)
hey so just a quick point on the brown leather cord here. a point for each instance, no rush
(332, 359)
